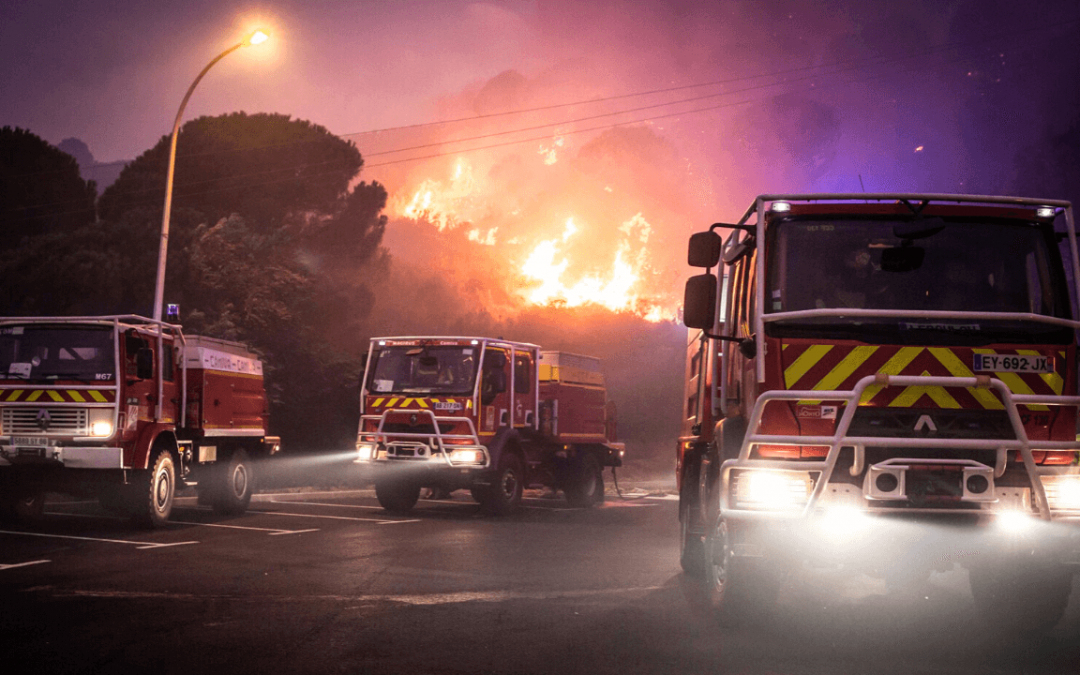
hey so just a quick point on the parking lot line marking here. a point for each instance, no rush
(337, 506)
(25, 564)
(314, 515)
(271, 530)
(136, 544)
(314, 529)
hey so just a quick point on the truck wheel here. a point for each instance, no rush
(504, 493)
(587, 484)
(155, 490)
(1018, 594)
(741, 590)
(397, 496)
(234, 485)
(691, 547)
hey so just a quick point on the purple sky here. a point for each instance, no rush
(917, 95)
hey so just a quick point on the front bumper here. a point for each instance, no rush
(69, 456)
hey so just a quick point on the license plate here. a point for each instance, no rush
(1013, 363)
(29, 441)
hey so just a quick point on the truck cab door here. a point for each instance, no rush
(524, 396)
(495, 403)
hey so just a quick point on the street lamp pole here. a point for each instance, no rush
(258, 37)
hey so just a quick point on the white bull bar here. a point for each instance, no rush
(840, 438)
(422, 443)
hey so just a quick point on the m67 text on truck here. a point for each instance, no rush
(127, 410)
(489, 415)
(886, 381)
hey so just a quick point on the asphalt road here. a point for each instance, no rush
(326, 582)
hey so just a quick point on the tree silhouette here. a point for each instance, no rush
(41, 190)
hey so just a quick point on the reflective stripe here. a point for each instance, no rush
(804, 363)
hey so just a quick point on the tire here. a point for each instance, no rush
(397, 496)
(741, 591)
(155, 490)
(1020, 594)
(507, 486)
(691, 546)
(233, 485)
(586, 485)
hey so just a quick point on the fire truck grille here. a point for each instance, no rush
(404, 428)
(43, 421)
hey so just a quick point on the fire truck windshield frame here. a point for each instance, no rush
(954, 265)
(31, 352)
(442, 369)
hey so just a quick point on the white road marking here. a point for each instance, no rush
(25, 564)
(338, 506)
(272, 530)
(416, 599)
(136, 544)
(315, 515)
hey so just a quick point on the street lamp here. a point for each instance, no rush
(256, 38)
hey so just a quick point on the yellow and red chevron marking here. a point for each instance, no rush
(57, 395)
(402, 402)
(828, 367)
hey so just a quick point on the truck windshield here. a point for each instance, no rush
(57, 353)
(423, 370)
(929, 264)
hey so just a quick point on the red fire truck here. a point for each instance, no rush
(128, 410)
(886, 381)
(489, 415)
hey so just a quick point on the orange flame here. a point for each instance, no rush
(559, 270)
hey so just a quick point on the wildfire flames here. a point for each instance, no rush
(547, 268)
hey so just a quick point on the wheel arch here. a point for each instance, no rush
(151, 438)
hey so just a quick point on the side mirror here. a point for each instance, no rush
(699, 302)
(704, 249)
(144, 363)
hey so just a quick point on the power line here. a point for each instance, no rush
(854, 66)
(854, 63)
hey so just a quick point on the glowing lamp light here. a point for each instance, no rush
(1063, 492)
(780, 207)
(1045, 212)
(101, 429)
(1014, 522)
(365, 452)
(257, 38)
(467, 457)
(772, 489)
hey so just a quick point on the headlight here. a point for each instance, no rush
(772, 489)
(467, 457)
(365, 452)
(1063, 492)
(101, 429)
(101, 424)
